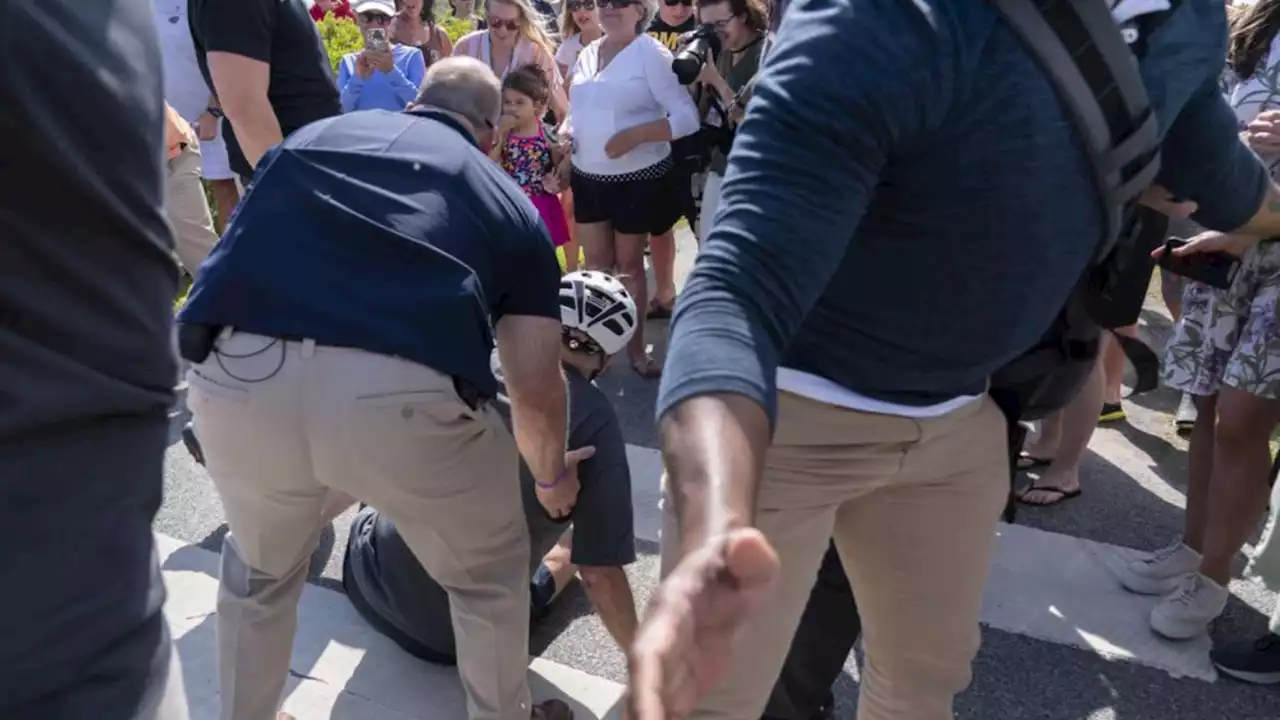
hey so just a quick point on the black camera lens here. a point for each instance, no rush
(703, 44)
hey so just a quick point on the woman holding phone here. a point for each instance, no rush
(385, 75)
(1226, 354)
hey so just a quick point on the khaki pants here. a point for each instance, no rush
(280, 424)
(188, 211)
(912, 505)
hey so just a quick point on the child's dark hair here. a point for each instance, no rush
(529, 80)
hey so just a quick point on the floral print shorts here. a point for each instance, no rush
(1230, 337)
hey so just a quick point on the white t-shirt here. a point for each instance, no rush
(184, 86)
(567, 55)
(636, 87)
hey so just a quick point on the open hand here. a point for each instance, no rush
(694, 619)
(562, 495)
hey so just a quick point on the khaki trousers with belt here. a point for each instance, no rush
(280, 424)
(912, 505)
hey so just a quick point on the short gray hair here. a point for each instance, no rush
(463, 86)
(648, 11)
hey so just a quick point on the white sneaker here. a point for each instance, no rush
(1185, 418)
(1188, 612)
(1159, 573)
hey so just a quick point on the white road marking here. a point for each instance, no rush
(1043, 585)
(348, 670)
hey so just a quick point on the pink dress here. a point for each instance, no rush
(528, 161)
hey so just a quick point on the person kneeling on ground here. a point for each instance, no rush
(390, 588)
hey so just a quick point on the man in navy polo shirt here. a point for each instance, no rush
(341, 335)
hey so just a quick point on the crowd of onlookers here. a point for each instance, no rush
(825, 410)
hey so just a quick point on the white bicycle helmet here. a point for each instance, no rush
(598, 306)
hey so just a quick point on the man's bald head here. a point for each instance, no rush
(466, 87)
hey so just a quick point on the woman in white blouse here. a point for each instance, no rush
(626, 107)
(580, 26)
(515, 37)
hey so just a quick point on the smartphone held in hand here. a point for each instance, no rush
(1215, 269)
(376, 40)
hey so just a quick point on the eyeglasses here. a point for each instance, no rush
(721, 25)
(617, 4)
(374, 18)
(673, 3)
(585, 5)
(500, 24)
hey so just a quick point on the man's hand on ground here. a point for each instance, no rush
(694, 619)
(560, 498)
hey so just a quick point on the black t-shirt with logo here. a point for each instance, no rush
(669, 35)
(278, 32)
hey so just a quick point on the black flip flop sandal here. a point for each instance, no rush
(1063, 495)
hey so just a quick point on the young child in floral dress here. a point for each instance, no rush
(528, 153)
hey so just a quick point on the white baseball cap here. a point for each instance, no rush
(386, 7)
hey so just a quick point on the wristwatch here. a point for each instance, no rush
(216, 112)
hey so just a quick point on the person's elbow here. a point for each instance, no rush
(241, 84)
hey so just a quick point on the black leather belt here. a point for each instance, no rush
(195, 344)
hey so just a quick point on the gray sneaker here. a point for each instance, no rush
(1160, 572)
(551, 710)
(1188, 612)
(1185, 418)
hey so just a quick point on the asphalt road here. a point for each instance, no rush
(1134, 481)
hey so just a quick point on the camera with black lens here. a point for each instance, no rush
(701, 45)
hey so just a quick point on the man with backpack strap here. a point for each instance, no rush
(890, 236)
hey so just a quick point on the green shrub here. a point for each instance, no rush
(340, 36)
(453, 26)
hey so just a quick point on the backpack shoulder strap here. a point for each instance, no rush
(1081, 49)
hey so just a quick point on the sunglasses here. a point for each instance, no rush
(617, 4)
(673, 3)
(576, 6)
(374, 18)
(500, 24)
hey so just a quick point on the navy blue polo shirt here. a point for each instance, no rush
(388, 232)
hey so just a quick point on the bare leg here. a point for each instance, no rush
(559, 562)
(629, 251)
(662, 250)
(1045, 444)
(1200, 472)
(571, 247)
(226, 196)
(597, 246)
(1239, 485)
(1079, 419)
(1113, 359)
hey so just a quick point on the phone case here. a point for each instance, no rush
(1217, 269)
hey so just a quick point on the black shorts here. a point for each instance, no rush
(637, 203)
